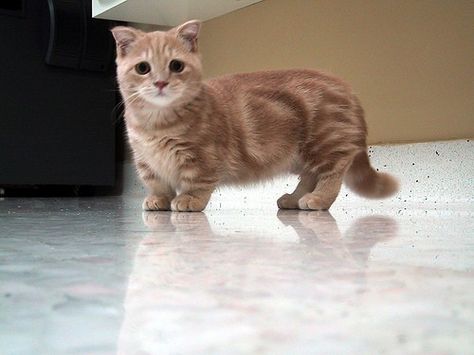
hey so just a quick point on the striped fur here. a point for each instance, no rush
(238, 129)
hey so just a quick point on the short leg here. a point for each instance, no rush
(157, 203)
(191, 201)
(324, 194)
(305, 185)
(161, 194)
(194, 196)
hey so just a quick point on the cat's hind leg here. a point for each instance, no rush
(306, 184)
(324, 194)
(331, 170)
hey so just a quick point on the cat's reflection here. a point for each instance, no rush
(190, 280)
(320, 231)
(175, 221)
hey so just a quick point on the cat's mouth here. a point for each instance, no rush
(160, 97)
(163, 93)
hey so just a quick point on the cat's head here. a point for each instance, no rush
(162, 68)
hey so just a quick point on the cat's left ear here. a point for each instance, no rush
(189, 33)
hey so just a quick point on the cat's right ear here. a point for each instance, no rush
(189, 33)
(125, 37)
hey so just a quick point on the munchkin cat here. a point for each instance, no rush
(189, 136)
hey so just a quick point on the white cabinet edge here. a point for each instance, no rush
(165, 12)
(101, 6)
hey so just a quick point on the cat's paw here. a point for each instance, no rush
(156, 203)
(287, 201)
(187, 203)
(312, 202)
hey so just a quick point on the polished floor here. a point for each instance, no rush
(98, 276)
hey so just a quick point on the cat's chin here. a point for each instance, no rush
(160, 101)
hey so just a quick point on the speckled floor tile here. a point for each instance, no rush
(99, 276)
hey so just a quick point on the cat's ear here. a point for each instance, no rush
(125, 37)
(189, 33)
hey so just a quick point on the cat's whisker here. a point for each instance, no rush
(133, 97)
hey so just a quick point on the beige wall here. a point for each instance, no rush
(410, 61)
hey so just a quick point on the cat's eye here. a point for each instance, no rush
(142, 68)
(176, 66)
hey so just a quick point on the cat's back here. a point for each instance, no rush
(277, 95)
(293, 80)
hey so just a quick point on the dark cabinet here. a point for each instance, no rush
(57, 95)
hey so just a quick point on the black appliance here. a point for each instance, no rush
(57, 95)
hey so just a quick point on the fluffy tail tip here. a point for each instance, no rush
(385, 186)
(365, 181)
(375, 185)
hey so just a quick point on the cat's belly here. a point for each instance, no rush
(261, 168)
(167, 159)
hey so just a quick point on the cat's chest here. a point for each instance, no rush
(165, 155)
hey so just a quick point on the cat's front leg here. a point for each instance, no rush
(161, 193)
(194, 197)
(156, 203)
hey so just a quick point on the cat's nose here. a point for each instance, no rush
(161, 84)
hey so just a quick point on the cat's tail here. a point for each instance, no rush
(365, 181)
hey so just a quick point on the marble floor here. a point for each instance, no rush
(98, 276)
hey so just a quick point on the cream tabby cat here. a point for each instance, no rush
(189, 136)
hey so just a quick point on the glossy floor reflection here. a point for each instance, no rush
(98, 276)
